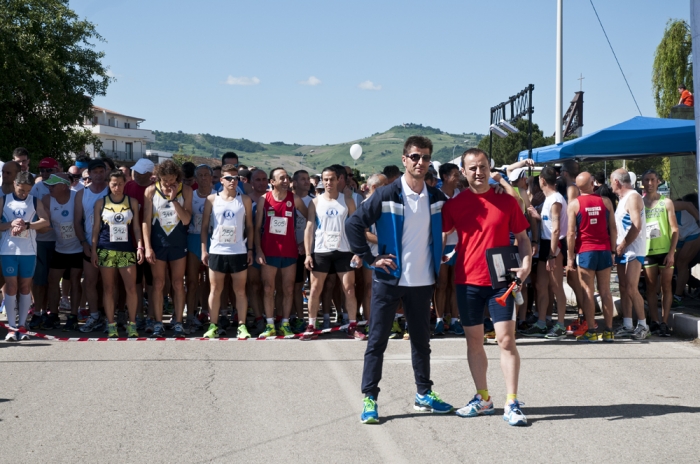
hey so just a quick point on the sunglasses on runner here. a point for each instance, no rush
(230, 178)
(415, 157)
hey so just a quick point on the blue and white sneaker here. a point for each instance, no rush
(439, 329)
(91, 324)
(158, 330)
(178, 330)
(369, 412)
(513, 415)
(431, 402)
(477, 407)
(456, 327)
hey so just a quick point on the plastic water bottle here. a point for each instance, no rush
(353, 264)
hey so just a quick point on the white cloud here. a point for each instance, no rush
(369, 85)
(110, 73)
(230, 80)
(312, 81)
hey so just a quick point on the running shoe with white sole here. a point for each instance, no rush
(641, 333)
(477, 407)
(369, 415)
(112, 330)
(212, 332)
(178, 330)
(91, 324)
(624, 332)
(431, 402)
(513, 414)
(131, 331)
(11, 336)
(242, 332)
(558, 332)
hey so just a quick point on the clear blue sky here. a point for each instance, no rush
(375, 64)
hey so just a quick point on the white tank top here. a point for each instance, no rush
(227, 225)
(687, 225)
(161, 207)
(39, 191)
(62, 222)
(197, 212)
(89, 200)
(547, 225)
(300, 220)
(452, 239)
(330, 225)
(25, 243)
(637, 248)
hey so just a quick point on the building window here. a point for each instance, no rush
(127, 125)
(95, 120)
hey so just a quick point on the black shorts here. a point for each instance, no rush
(546, 248)
(228, 264)
(299, 278)
(67, 260)
(655, 260)
(144, 270)
(339, 260)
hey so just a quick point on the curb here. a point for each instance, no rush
(683, 325)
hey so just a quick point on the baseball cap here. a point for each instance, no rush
(48, 163)
(516, 174)
(96, 164)
(143, 166)
(55, 180)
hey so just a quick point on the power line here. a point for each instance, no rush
(618, 61)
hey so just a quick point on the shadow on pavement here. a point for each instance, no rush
(609, 412)
(23, 344)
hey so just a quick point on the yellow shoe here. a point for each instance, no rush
(268, 332)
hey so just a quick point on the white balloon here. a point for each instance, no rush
(436, 165)
(356, 151)
(633, 178)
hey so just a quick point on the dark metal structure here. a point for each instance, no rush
(573, 118)
(516, 107)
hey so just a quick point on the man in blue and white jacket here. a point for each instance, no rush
(408, 218)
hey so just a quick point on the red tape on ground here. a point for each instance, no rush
(163, 339)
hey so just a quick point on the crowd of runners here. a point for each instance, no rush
(118, 247)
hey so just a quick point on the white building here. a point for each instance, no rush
(122, 138)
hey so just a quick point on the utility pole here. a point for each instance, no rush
(560, 74)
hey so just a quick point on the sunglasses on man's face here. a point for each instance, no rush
(229, 178)
(45, 169)
(415, 157)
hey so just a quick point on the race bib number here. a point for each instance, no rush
(300, 222)
(118, 233)
(653, 231)
(197, 223)
(168, 217)
(332, 240)
(67, 231)
(24, 234)
(278, 225)
(227, 234)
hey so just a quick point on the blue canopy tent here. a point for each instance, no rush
(636, 138)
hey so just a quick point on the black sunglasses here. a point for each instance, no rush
(230, 178)
(415, 157)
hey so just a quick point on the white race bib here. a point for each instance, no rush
(67, 231)
(300, 222)
(118, 233)
(227, 234)
(653, 230)
(168, 217)
(197, 223)
(88, 225)
(24, 234)
(278, 225)
(331, 240)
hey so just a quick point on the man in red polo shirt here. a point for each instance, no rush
(483, 219)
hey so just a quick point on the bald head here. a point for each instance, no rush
(10, 171)
(75, 170)
(584, 182)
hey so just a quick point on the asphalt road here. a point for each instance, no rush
(292, 401)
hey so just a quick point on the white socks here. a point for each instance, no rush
(11, 310)
(25, 302)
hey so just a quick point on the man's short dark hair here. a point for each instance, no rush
(475, 152)
(298, 173)
(549, 175)
(417, 141)
(20, 151)
(188, 168)
(682, 86)
(428, 176)
(570, 166)
(340, 171)
(109, 162)
(244, 173)
(96, 164)
(25, 178)
(446, 169)
(227, 155)
(391, 171)
(273, 171)
(600, 177)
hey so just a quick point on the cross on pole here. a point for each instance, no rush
(580, 81)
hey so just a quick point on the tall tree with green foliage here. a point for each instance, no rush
(505, 150)
(673, 66)
(50, 73)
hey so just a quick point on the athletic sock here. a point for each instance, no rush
(510, 397)
(11, 310)
(484, 394)
(627, 322)
(25, 302)
(95, 316)
(540, 324)
(270, 321)
(642, 322)
(312, 322)
(285, 321)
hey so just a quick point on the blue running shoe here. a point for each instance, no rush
(34, 322)
(513, 415)
(369, 412)
(439, 329)
(477, 407)
(431, 402)
(158, 330)
(456, 327)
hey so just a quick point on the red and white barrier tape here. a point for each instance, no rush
(42, 336)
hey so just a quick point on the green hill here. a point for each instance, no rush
(378, 150)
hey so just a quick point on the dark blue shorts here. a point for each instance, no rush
(472, 299)
(594, 260)
(280, 262)
(453, 259)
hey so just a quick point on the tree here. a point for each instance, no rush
(505, 150)
(49, 76)
(673, 66)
